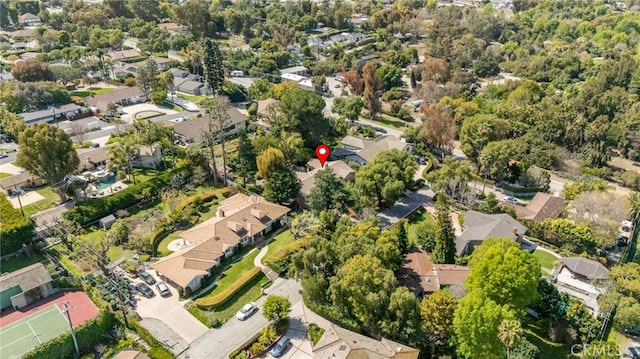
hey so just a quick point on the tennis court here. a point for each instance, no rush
(20, 337)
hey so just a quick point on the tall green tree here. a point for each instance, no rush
(476, 325)
(148, 133)
(445, 249)
(329, 192)
(122, 154)
(362, 288)
(11, 124)
(245, 160)
(146, 76)
(276, 308)
(350, 107)
(47, 152)
(383, 180)
(437, 311)
(403, 322)
(217, 108)
(269, 161)
(509, 276)
(213, 65)
(282, 186)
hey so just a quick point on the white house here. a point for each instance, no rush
(64, 111)
(29, 19)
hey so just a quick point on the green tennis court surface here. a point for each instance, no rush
(22, 336)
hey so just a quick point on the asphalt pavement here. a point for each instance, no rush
(220, 342)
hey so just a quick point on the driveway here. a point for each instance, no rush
(180, 327)
(405, 206)
(133, 109)
(220, 342)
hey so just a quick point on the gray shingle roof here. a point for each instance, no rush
(586, 267)
(27, 278)
(480, 226)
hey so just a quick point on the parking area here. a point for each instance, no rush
(300, 347)
(178, 323)
(130, 111)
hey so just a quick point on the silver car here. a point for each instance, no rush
(511, 200)
(246, 311)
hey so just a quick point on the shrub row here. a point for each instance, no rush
(156, 237)
(205, 197)
(226, 192)
(16, 229)
(90, 334)
(157, 351)
(209, 303)
(97, 208)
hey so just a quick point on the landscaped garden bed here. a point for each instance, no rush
(262, 341)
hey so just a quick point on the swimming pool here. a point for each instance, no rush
(106, 181)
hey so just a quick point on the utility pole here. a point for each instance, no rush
(121, 300)
(73, 332)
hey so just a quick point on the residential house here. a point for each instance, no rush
(124, 70)
(293, 77)
(122, 96)
(162, 63)
(295, 70)
(191, 87)
(25, 286)
(308, 177)
(92, 158)
(22, 34)
(358, 19)
(122, 55)
(366, 58)
(20, 46)
(173, 28)
(192, 131)
(186, 75)
(348, 37)
(340, 343)
(582, 278)
(266, 109)
(422, 276)
(362, 150)
(147, 157)
(23, 179)
(49, 115)
(29, 19)
(313, 41)
(479, 226)
(542, 206)
(240, 220)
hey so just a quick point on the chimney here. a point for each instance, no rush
(515, 233)
(220, 213)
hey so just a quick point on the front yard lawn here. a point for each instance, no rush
(282, 240)
(92, 92)
(232, 274)
(50, 200)
(546, 259)
(5, 175)
(548, 349)
(19, 262)
(249, 293)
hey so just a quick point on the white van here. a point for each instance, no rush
(237, 73)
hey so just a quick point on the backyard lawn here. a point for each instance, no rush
(5, 175)
(546, 259)
(548, 349)
(194, 99)
(282, 240)
(19, 262)
(50, 199)
(418, 218)
(92, 92)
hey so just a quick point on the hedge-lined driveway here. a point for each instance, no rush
(220, 342)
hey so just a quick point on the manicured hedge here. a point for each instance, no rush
(226, 192)
(209, 303)
(89, 335)
(280, 260)
(97, 208)
(16, 229)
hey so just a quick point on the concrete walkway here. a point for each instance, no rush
(257, 261)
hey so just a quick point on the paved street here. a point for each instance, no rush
(405, 206)
(220, 342)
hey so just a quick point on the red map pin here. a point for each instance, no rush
(322, 152)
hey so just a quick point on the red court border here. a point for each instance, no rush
(81, 308)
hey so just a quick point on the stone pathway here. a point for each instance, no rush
(270, 273)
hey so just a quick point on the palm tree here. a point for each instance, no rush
(509, 333)
(121, 155)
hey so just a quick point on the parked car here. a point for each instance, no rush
(622, 240)
(147, 278)
(633, 352)
(246, 311)
(280, 347)
(163, 289)
(3, 155)
(511, 200)
(144, 290)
